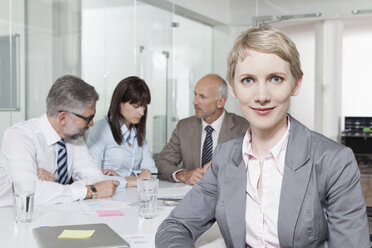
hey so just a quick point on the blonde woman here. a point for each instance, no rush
(281, 184)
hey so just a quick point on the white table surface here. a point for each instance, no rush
(137, 231)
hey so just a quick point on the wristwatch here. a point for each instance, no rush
(93, 190)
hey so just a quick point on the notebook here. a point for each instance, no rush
(104, 236)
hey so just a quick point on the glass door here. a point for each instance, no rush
(154, 46)
(108, 40)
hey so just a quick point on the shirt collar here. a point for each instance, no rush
(276, 151)
(50, 134)
(280, 147)
(216, 124)
(128, 135)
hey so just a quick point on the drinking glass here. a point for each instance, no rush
(23, 200)
(147, 194)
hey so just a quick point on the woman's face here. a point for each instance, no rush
(132, 113)
(263, 84)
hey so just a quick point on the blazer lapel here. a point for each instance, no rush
(234, 198)
(296, 177)
(227, 124)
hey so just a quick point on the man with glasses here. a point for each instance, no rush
(50, 149)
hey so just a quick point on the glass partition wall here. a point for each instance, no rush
(170, 52)
(102, 41)
(12, 70)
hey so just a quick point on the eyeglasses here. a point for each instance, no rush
(87, 119)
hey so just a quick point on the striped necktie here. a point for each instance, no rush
(207, 146)
(62, 162)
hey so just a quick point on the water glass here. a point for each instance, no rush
(23, 200)
(147, 194)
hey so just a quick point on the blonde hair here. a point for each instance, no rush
(265, 40)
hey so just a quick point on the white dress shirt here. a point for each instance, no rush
(30, 145)
(216, 125)
(261, 216)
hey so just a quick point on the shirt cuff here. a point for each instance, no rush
(174, 176)
(79, 191)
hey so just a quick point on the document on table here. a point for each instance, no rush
(140, 240)
(109, 213)
(174, 192)
(102, 205)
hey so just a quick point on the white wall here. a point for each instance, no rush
(357, 65)
(303, 105)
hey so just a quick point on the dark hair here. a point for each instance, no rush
(70, 93)
(135, 91)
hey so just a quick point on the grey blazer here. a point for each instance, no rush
(185, 143)
(321, 201)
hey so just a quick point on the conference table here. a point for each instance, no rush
(138, 232)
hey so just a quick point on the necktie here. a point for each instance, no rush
(207, 146)
(62, 162)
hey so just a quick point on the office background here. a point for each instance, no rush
(171, 44)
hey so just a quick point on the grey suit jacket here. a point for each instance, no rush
(321, 202)
(184, 145)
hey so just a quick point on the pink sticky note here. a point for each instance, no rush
(109, 213)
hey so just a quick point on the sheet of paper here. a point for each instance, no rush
(76, 234)
(140, 240)
(109, 213)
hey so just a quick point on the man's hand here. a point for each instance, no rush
(193, 176)
(45, 175)
(110, 172)
(206, 167)
(190, 176)
(104, 189)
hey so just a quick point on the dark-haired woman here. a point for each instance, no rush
(118, 142)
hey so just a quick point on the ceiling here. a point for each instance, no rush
(327, 8)
(241, 12)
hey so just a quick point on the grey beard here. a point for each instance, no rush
(75, 139)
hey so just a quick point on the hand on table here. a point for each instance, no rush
(104, 189)
(132, 180)
(45, 175)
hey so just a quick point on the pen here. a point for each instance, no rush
(152, 173)
(169, 199)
